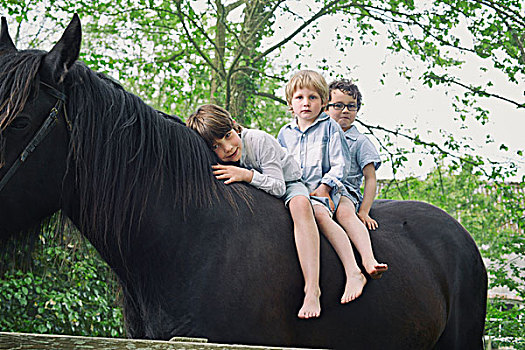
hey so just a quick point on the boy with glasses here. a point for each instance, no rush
(317, 143)
(344, 103)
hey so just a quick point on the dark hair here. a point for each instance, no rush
(348, 87)
(212, 122)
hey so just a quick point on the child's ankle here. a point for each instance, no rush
(315, 291)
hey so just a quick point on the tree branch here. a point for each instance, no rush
(513, 15)
(475, 90)
(270, 13)
(247, 68)
(418, 141)
(190, 38)
(173, 57)
(504, 16)
(312, 19)
(241, 51)
(230, 7)
(270, 96)
(411, 22)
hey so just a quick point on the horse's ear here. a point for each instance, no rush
(6, 44)
(65, 52)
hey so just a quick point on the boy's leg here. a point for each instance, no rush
(356, 230)
(307, 243)
(355, 281)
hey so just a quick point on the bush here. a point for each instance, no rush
(67, 290)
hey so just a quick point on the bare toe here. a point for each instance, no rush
(311, 307)
(376, 272)
(354, 287)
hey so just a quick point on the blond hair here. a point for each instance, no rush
(212, 122)
(307, 79)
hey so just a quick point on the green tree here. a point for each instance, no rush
(179, 54)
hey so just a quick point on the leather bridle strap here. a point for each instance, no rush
(46, 127)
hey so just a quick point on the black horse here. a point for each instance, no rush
(199, 258)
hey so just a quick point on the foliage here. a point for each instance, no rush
(67, 289)
(493, 212)
(216, 47)
(179, 54)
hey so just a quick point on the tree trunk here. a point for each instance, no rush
(241, 84)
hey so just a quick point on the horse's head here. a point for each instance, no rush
(33, 129)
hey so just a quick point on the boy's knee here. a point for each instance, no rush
(300, 200)
(321, 213)
(300, 203)
(342, 212)
(345, 208)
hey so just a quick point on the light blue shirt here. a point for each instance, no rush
(271, 164)
(320, 150)
(362, 153)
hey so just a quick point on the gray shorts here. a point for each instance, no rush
(295, 188)
(323, 201)
(298, 188)
(353, 198)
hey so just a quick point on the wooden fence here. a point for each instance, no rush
(46, 341)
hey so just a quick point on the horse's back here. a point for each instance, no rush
(432, 296)
(434, 261)
(251, 266)
(427, 299)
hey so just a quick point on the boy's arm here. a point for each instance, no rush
(262, 155)
(369, 194)
(323, 190)
(339, 158)
(271, 178)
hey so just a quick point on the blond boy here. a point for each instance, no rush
(317, 143)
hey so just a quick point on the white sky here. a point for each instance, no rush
(428, 109)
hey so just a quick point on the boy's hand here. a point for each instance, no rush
(231, 173)
(324, 191)
(368, 221)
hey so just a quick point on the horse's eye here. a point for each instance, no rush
(20, 123)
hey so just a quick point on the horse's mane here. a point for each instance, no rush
(122, 151)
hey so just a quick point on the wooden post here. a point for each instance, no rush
(24, 341)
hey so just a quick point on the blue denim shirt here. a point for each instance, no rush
(362, 153)
(320, 150)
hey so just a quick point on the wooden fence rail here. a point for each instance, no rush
(46, 341)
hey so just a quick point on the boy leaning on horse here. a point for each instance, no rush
(312, 190)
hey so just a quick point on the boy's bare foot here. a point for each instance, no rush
(376, 270)
(354, 287)
(311, 306)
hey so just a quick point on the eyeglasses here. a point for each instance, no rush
(339, 106)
